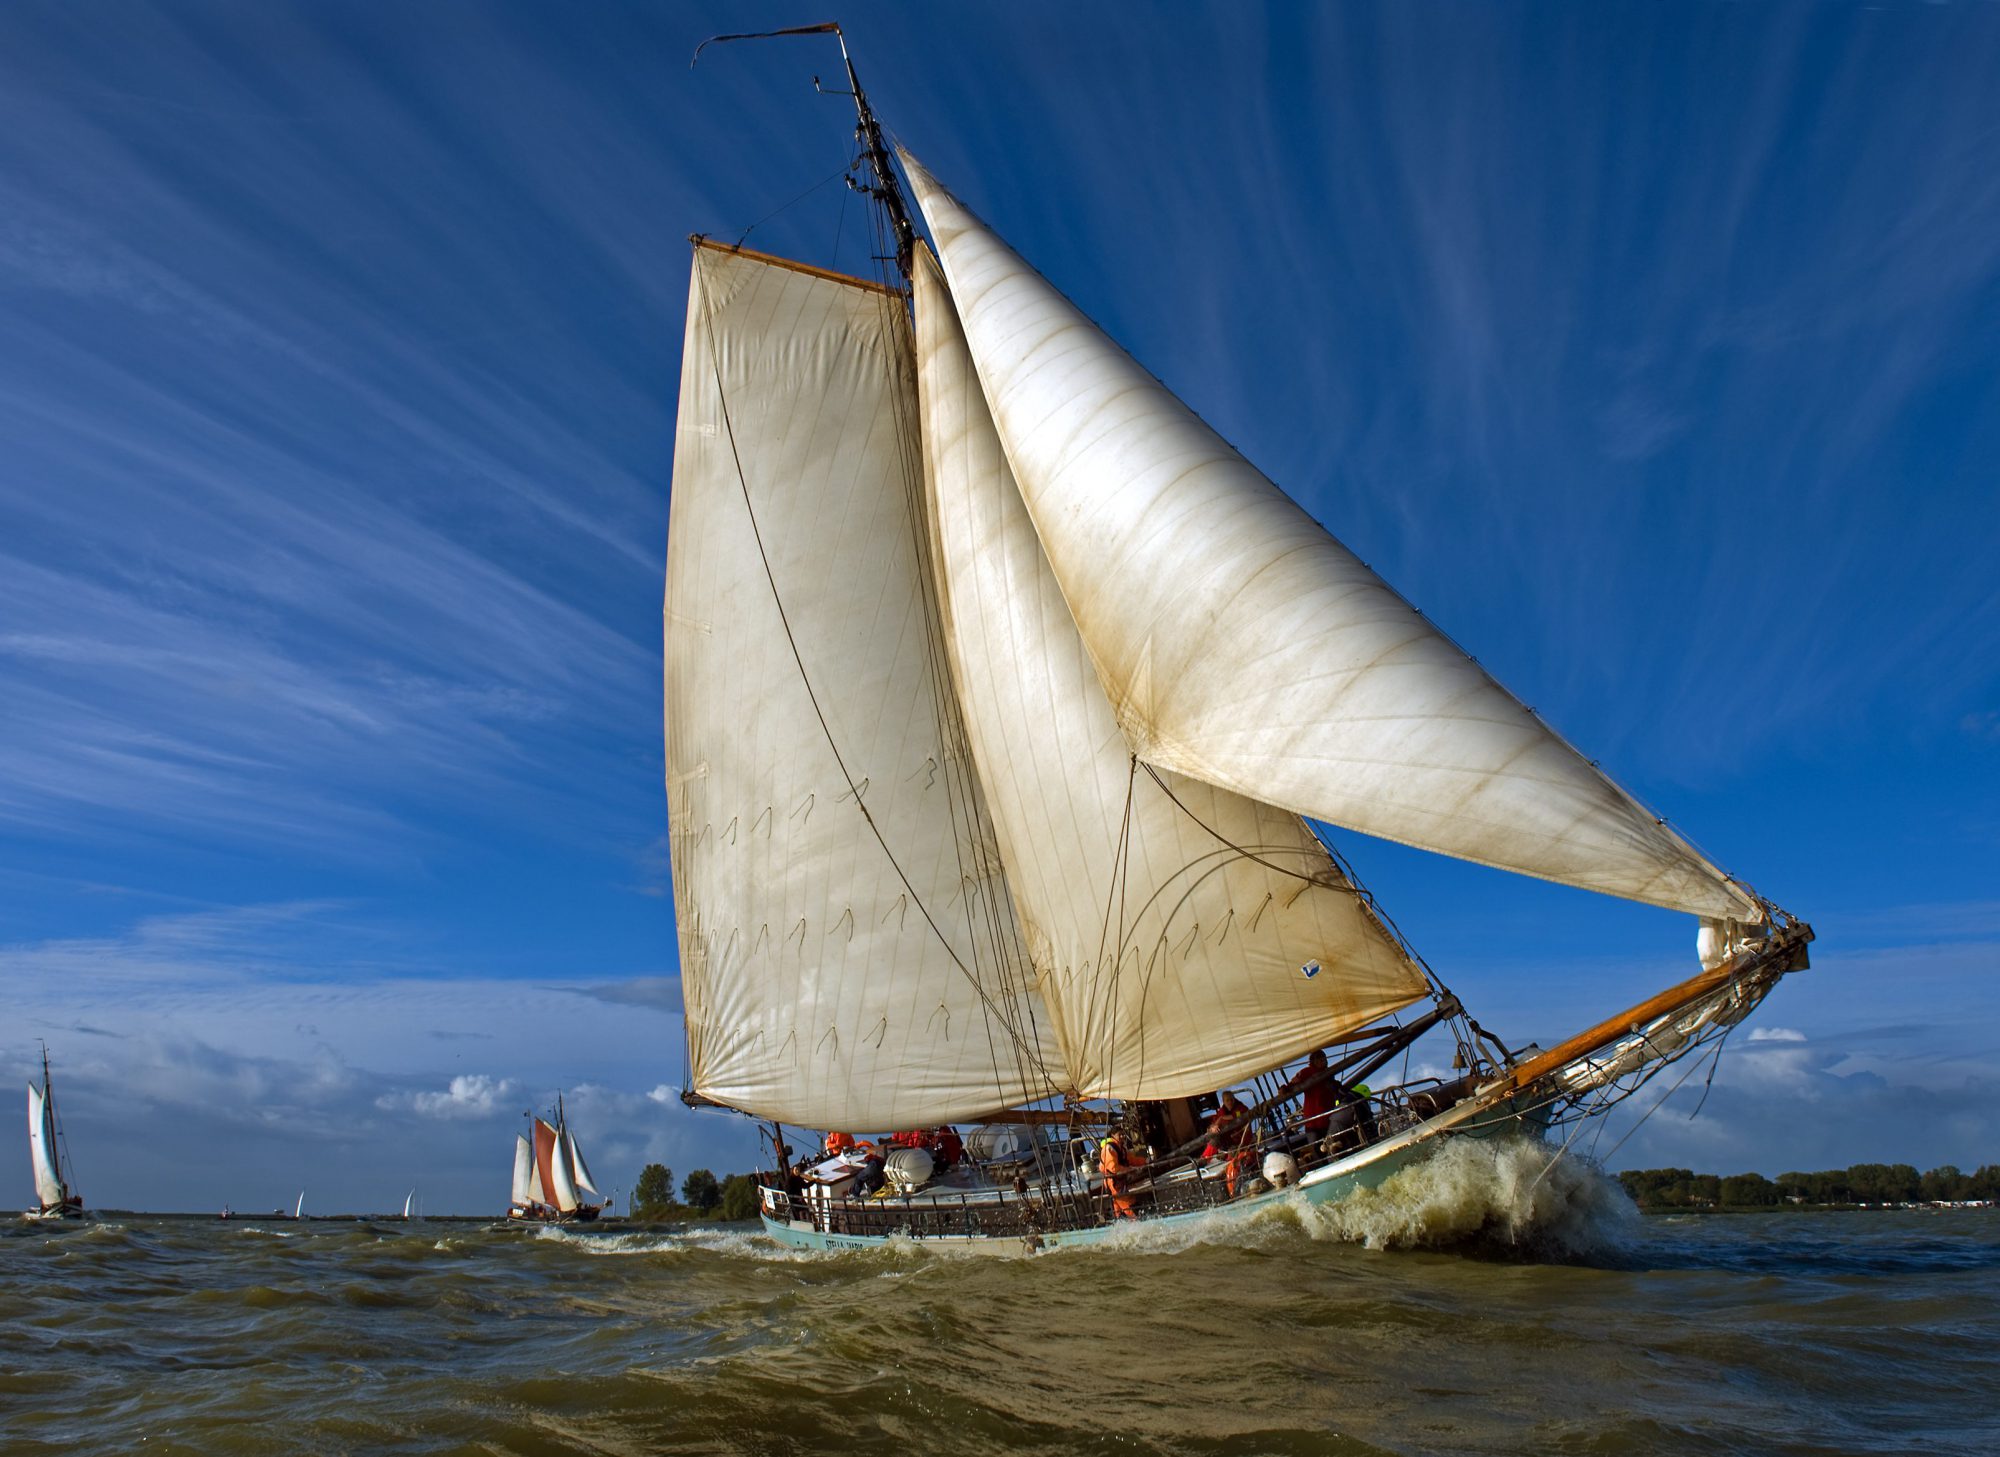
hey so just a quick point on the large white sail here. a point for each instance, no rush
(579, 1171)
(42, 1149)
(844, 927)
(1173, 924)
(524, 1173)
(1241, 645)
(562, 1186)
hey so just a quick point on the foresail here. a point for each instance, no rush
(42, 1149)
(579, 1171)
(848, 958)
(1243, 646)
(1183, 936)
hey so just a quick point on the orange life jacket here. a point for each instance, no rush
(1113, 1161)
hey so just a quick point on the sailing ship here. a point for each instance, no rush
(47, 1151)
(1005, 707)
(551, 1180)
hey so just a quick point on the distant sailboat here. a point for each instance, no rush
(408, 1200)
(45, 1151)
(551, 1179)
(1004, 704)
(299, 1209)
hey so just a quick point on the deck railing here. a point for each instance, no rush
(1179, 1188)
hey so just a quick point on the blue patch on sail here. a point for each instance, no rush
(1309, 970)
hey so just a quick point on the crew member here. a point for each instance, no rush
(1352, 1125)
(1316, 1100)
(1231, 1133)
(1120, 1167)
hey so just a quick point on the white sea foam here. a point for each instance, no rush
(750, 1244)
(1513, 1192)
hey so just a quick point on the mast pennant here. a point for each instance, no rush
(1170, 922)
(1241, 645)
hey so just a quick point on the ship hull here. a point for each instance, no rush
(583, 1214)
(55, 1213)
(1364, 1169)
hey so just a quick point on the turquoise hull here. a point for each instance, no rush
(1364, 1169)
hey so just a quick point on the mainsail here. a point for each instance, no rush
(1241, 645)
(543, 1183)
(42, 1150)
(848, 957)
(1183, 936)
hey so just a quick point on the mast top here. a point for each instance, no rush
(885, 189)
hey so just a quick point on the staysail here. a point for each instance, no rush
(1241, 645)
(42, 1150)
(848, 958)
(1183, 936)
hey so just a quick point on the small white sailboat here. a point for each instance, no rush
(299, 1209)
(1005, 706)
(47, 1150)
(409, 1200)
(552, 1183)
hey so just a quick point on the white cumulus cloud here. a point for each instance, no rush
(471, 1095)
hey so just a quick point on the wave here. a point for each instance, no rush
(1502, 1195)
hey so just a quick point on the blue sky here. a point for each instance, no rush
(1653, 350)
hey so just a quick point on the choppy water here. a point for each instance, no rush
(1571, 1325)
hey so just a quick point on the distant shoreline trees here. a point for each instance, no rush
(1857, 1184)
(703, 1196)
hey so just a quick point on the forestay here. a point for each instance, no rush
(848, 958)
(1241, 645)
(1183, 936)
